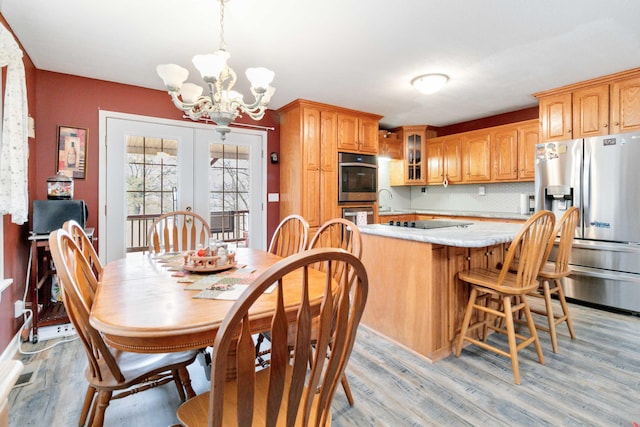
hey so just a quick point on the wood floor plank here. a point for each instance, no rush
(594, 380)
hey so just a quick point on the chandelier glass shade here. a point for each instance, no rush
(221, 104)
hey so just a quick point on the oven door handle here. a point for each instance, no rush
(354, 214)
(366, 165)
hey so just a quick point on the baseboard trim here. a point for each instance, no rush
(12, 349)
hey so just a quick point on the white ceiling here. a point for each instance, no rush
(358, 54)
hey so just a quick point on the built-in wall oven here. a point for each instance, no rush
(357, 177)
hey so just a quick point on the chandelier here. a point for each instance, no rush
(222, 105)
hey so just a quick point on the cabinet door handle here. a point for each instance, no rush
(605, 125)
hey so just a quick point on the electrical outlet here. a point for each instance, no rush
(481, 190)
(424, 189)
(18, 308)
(56, 331)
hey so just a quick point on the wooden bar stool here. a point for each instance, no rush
(554, 272)
(510, 290)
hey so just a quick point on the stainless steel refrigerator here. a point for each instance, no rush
(601, 176)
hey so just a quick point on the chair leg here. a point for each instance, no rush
(511, 336)
(185, 383)
(532, 329)
(347, 389)
(176, 379)
(104, 397)
(551, 320)
(88, 400)
(565, 309)
(466, 320)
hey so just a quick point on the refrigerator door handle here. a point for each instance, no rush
(586, 187)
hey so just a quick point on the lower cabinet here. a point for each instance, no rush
(459, 259)
(415, 297)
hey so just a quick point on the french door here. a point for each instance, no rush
(150, 166)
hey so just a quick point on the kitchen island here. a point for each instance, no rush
(415, 297)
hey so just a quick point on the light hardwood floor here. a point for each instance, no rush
(593, 381)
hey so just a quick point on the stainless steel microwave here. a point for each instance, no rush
(357, 177)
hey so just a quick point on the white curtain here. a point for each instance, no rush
(14, 146)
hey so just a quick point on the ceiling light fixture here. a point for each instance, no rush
(430, 83)
(222, 105)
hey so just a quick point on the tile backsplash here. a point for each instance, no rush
(499, 197)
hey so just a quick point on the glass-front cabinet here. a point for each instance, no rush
(414, 162)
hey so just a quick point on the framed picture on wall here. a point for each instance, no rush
(72, 152)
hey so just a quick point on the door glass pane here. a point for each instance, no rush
(151, 182)
(229, 178)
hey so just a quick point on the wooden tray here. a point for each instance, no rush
(208, 269)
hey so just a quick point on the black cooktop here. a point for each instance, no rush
(429, 224)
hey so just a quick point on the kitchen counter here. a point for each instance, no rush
(476, 214)
(475, 235)
(415, 297)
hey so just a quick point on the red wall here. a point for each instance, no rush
(76, 101)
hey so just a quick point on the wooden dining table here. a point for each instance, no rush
(141, 306)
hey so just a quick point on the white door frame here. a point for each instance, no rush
(258, 237)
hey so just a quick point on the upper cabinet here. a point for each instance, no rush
(513, 151)
(497, 154)
(389, 145)
(476, 156)
(602, 106)
(625, 104)
(555, 117)
(444, 159)
(528, 137)
(358, 133)
(412, 169)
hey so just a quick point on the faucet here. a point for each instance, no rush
(388, 192)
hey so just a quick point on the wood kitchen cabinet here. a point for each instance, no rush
(309, 160)
(476, 156)
(590, 107)
(625, 104)
(602, 106)
(556, 117)
(411, 170)
(358, 133)
(389, 145)
(444, 159)
(513, 151)
(505, 153)
(459, 259)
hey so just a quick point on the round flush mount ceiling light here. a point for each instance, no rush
(430, 83)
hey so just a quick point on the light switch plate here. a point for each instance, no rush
(273, 197)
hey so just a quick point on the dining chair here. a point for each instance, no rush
(288, 391)
(111, 374)
(86, 246)
(291, 236)
(344, 234)
(554, 272)
(509, 289)
(338, 233)
(178, 231)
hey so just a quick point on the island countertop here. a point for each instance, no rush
(474, 214)
(474, 235)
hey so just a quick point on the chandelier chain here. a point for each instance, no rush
(222, 42)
